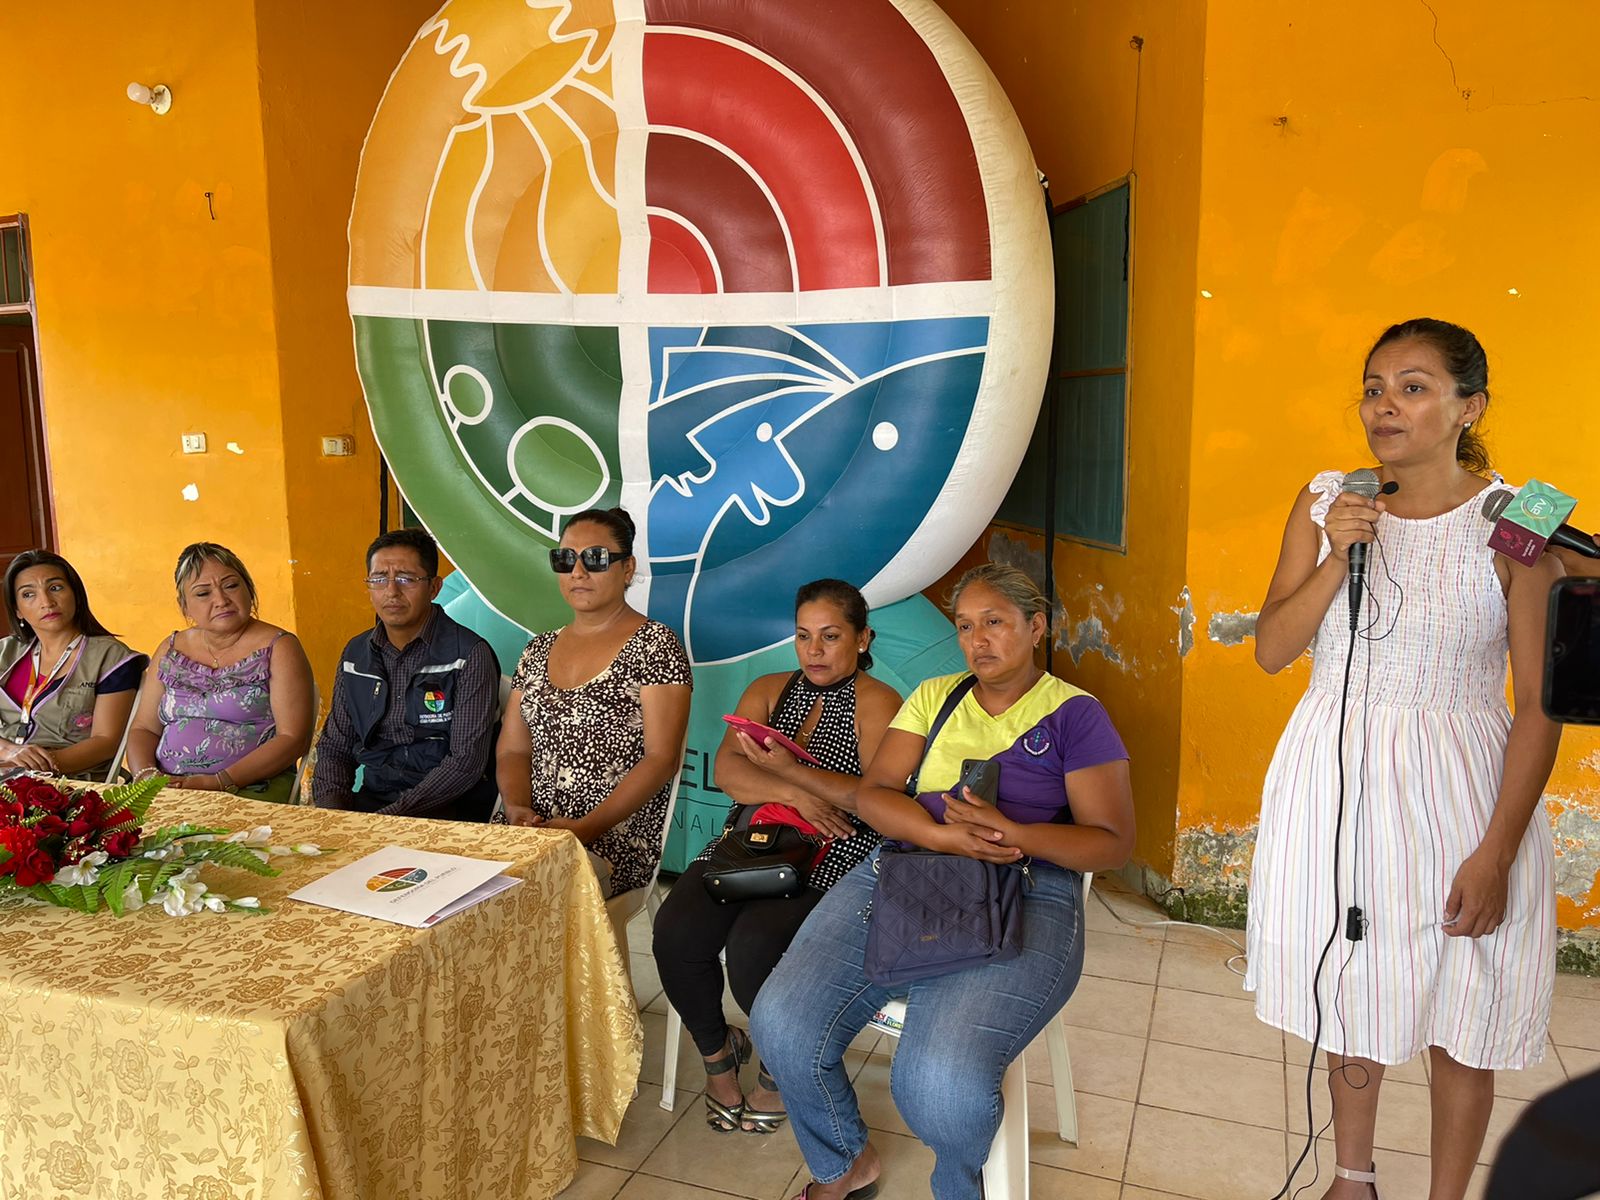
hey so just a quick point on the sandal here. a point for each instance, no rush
(764, 1121)
(1369, 1177)
(865, 1192)
(720, 1117)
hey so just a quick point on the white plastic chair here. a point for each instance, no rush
(1010, 1145)
(499, 805)
(624, 908)
(1006, 1171)
(122, 746)
(296, 795)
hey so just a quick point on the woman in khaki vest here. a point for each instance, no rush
(67, 684)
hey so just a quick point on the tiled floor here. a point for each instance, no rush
(1181, 1091)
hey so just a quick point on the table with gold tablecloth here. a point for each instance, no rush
(309, 1054)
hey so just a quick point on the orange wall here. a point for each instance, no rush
(1418, 172)
(1072, 75)
(156, 320)
(318, 95)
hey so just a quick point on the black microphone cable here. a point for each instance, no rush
(1353, 922)
(1333, 936)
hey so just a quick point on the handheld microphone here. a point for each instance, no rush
(1363, 482)
(1522, 530)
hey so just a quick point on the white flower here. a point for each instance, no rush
(309, 849)
(216, 903)
(183, 896)
(160, 852)
(83, 872)
(247, 902)
(132, 899)
(278, 851)
(259, 836)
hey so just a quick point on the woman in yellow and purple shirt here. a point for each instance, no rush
(1063, 807)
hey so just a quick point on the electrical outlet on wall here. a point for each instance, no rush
(338, 447)
(194, 443)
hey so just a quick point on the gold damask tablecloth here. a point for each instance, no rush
(310, 1054)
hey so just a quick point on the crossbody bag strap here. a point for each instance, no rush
(788, 687)
(957, 694)
(739, 814)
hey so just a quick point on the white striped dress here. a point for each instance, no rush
(1425, 745)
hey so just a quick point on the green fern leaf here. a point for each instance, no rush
(232, 854)
(134, 797)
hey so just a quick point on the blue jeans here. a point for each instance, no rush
(961, 1030)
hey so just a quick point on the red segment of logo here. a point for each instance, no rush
(866, 63)
(713, 195)
(739, 102)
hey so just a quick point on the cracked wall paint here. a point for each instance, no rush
(1577, 846)
(1229, 629)
(1089, 637)
(1185, 610)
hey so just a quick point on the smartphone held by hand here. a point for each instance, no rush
(981, 776)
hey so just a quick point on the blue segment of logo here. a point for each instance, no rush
(774, 451)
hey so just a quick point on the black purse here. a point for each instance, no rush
(759, 862)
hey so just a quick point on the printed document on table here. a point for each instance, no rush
(410, 887)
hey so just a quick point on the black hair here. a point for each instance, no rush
(849, 601)
(87, 623)
(616, 521)
(412, 538)
(1468, 365)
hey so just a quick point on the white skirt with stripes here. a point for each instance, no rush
(1424, 752)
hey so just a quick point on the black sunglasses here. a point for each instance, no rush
(594, 558)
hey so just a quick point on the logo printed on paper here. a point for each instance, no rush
(396, 880)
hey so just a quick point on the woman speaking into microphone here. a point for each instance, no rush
(1402, 895)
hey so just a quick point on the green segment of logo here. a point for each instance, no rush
(503, 432)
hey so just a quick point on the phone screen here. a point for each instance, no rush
(1572, 659)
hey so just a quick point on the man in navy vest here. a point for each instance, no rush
(415, 705)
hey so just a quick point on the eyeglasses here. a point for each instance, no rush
(594, 558)
(377, 583)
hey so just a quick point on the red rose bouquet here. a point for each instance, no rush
(79, 847)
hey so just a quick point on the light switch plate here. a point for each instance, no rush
(194, 443)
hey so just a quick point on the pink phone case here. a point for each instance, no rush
(761, 734)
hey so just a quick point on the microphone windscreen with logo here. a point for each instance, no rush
(1363, 482)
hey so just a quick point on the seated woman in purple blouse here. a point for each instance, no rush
(227, 702)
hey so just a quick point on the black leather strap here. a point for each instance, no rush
(949, 706)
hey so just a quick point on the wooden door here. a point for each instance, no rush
(24, 497)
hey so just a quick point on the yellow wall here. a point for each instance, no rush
(318, 94)
(155, 320)
(1419, 172)
(1072, 76)
(1411, 177)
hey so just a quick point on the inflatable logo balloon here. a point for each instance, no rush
(774, 276)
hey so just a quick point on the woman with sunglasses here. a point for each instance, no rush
(604, 704)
